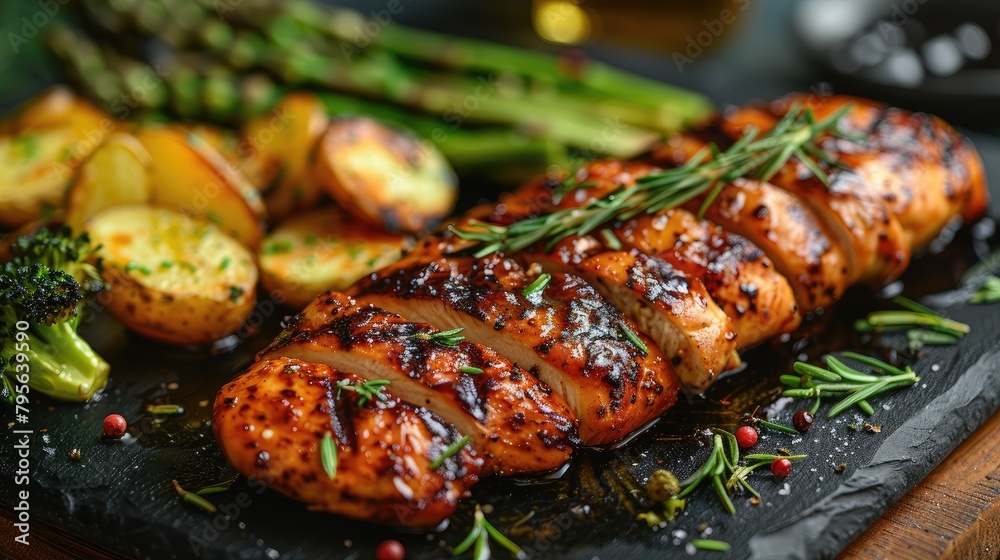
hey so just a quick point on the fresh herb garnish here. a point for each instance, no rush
(775, 426)
(166, 264)
(633, 338)
(328, 455)
(725, 471)
(225, 263)
(470, 370)
(190, 266)
(922, 325)
(537, 285)
(277, 247)
(235, 292)
(839, 380)
(446, 338)
(194, 499)
(710, 545)
(989, 292)
(450, 451)
(165, 409)
(480, 535)
(795, 135)
(611, 240)
(366, 391)
(136, 266)
(214, 218)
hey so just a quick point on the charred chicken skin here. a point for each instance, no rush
(516, 422)
(589, 354)
(564, 332)
(272, 419)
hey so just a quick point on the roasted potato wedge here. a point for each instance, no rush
(58, 107)
(116, 173)
(35, 168)
(322, 250)
(174, 278)
(277, 146)
(191, 176)
(384, 175)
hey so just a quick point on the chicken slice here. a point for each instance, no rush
(858, 221)
(924, 171)
(674, 310)
(516, 423)
(565, 333)
(740, 278)
(271, 421)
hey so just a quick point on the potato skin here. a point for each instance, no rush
(116, 173)
(326, 249)
(189, 175)
(173, 278)
(385, 176)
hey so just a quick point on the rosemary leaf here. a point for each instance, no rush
(449, 451)
(328, 455)
(538, 285)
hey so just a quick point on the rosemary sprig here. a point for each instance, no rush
(989, 292)
(707, 172)
(450, 451)
(922, 325)
(724, 470)
(445, 338)
(480, 535)
(328, 455)
(366, 391)
(839, 380)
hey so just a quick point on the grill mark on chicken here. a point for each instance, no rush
(566, 333)
(384, 449)
(516, 423)
(921, 168)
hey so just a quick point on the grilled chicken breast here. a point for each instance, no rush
(565, 332)
(918, 166)
(271, 420)
(734, 272)
(517, 424)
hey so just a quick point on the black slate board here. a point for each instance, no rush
(118, 500)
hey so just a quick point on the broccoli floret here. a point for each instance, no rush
(41, 294)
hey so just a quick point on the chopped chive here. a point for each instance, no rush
(166, 264)
(311, 240)
(538, 285)
(372, 261)
(214, 218)
(709, 544)
(449, 451)
(633, 338)
(165, 409)
(235, 292)
(470, 370)
(328, 455)
(225, 263)
(277, 247)
(189, 266)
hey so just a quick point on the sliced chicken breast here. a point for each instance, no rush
(517, 424)
(564, 332)
(271, 421)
